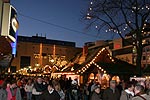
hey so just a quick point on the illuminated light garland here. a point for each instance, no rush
(64, 73)
(92, 62)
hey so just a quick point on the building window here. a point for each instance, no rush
(117, 46)
(44, 55)
(25, 61)
(144, 57)
(134, 49)
(148, 57)
(36, 56)
(111, 46)
(13, 69)
(143, 41)
(134, 60)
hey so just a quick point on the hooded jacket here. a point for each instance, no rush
(126, 95)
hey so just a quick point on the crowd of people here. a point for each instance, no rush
(44, 88)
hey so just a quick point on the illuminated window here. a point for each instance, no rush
(144, 57)
(148, 57)
(36, 56)
(134, 49)
(143, 41)
(117, 46)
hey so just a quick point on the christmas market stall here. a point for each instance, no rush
(97, 64)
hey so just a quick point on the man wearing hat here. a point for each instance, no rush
(111, 93)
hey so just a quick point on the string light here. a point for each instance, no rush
(83, 69)
(147, 7)
(134, 8)
(129, 22)
(91, 3)
(90, 8)
(96, 26)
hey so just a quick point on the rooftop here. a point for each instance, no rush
(39, 39)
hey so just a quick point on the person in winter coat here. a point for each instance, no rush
(140, 94)
(15, 91)
(86, 91)
(50, 94)
(111, 93)
(38, 88)
(128, 93)
(96, 93)
(9, 94)
(3, 92)
(73, 93)
(60, 91)
(28, 89)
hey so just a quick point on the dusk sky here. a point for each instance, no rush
(62, 13)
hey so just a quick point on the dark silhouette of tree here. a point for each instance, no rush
(122, 17)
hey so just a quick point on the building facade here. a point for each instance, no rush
(124, 49)
(39, 51)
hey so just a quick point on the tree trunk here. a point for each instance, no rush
(138, 62)
(139, 57)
